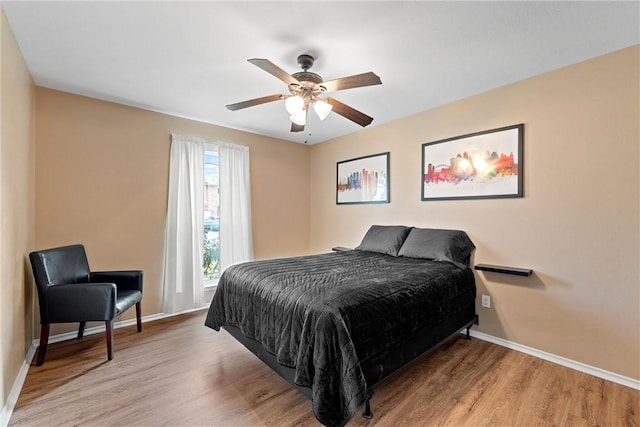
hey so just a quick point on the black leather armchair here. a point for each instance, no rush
(69, 292)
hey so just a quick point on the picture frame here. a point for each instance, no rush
(480, 165)
(363, 180)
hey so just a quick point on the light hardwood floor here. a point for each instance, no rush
(178, 372)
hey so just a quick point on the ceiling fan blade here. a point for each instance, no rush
(357, 80)
(252, 102)
(274, 70)
(296, 128)
(349, 112)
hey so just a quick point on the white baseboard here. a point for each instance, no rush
(100, 329)
(578, 366)
(12, 399)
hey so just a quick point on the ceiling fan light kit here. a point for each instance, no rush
(305, 88)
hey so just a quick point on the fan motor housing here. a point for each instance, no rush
(309, 83)
(307, 76)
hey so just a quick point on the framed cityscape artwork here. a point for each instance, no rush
(363, 180)
(481, 165)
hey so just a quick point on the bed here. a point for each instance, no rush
(334, 325)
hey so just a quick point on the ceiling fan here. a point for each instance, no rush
(307, 89)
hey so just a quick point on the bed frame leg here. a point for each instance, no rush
(476, 321)
(367, 411)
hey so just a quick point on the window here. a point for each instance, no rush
(211, 248)
(197, 171)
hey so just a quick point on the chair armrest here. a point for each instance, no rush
(125, 280)
(77, 302)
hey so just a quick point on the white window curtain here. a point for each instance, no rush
(183, 276)
(183, 287)
(236, 243)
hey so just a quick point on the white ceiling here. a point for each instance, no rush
(189, 59)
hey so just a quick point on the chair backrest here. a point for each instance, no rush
(67, 264)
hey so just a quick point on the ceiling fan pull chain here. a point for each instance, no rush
(308, 128)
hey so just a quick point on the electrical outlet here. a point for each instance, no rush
(486, 301)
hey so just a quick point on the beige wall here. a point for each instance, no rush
(102, 180)
(577, 226)
(17, 178)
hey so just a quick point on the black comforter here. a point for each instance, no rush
(329, 315)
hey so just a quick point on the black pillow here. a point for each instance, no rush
(440, 245)
(384, 239)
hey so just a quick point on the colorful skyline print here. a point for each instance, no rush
(465, 167)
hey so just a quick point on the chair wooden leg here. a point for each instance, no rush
(139, 316)
(81, 329)
(44, 339)
(109, 332)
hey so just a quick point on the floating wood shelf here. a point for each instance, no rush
(505, 270)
